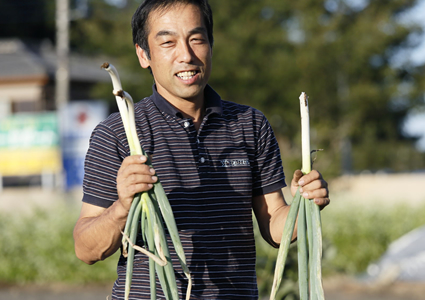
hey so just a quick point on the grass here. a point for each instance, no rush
(356, 235)
(38, 248)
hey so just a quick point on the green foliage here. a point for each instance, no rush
(361, 234)
(352, 239)
(39, 248)
(267, 52)
(107, 32)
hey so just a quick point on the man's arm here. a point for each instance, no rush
(271, 209)
(97, 233)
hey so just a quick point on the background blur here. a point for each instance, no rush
(360, 61)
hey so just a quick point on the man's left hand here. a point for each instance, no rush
(312, 186)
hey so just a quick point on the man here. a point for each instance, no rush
(217, 161)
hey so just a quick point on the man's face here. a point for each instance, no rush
(180, 53)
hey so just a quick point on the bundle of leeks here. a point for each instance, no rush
(152, 209)
(309, 231)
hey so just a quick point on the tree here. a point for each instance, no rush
(27, 19)
(340, 55)
(267, 52)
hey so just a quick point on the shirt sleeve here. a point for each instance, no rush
(102, 162)
(268, 175)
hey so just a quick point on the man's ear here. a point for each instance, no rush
(143, 58)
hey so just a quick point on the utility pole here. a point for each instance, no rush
(62, 69)
(62, 54)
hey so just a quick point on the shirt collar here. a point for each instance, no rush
(212, 102)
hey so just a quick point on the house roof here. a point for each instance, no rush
(17, 62)
(20, 61)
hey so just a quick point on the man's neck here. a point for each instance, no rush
(194, 110)
(190, 108)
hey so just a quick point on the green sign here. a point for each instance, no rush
(29, 131)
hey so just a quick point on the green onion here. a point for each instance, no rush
(153, 209)
(309, 233)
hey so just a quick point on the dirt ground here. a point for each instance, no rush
(335, 289)
(351, 289)
(364, 188)
(53, 293)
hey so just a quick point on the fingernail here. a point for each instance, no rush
(143, 158)
(316, 201)
(154, 178)
(152, 171)
(150, 185)
(301, 182)
(301, 190)
(305, 195)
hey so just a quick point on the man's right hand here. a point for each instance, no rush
(97, 233)
(133, 177)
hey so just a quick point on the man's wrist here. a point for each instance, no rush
(120, 212)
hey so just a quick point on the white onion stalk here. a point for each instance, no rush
(309, 228)
(305, 134)
(151, 208)
(126, 107)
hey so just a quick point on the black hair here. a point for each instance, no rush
(139, 22)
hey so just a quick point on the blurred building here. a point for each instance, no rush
(27, 76)
(37, 145)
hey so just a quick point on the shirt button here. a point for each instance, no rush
(186, 124)
(202, 160)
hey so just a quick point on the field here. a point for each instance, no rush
(367, 213)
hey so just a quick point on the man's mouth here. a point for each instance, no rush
(186, 75)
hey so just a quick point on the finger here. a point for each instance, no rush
(297, 176)
(138, 169)
(314, 185)
(322, 202)
(316, 194)
(134, 184)
(133, 189)
(135, 179)
(132, 169)
(126, 195)
(312, 176)
(134, 159)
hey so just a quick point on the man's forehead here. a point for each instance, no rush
(155, 16)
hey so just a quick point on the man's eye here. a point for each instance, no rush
(198, 40)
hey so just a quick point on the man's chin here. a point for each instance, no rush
(191, 93)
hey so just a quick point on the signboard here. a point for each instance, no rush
(77, 123)
(29, 144)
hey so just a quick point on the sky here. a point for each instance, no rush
(415, 123)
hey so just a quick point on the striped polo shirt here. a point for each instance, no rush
(210, 177)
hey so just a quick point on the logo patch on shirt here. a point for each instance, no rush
(227, 163)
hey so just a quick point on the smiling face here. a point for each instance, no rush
(180, 53)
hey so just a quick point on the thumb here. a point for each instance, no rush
(294, 184)
(297, 176)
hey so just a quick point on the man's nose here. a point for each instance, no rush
(185, 53)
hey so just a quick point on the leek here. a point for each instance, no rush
(151, 208)
(309, 228)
